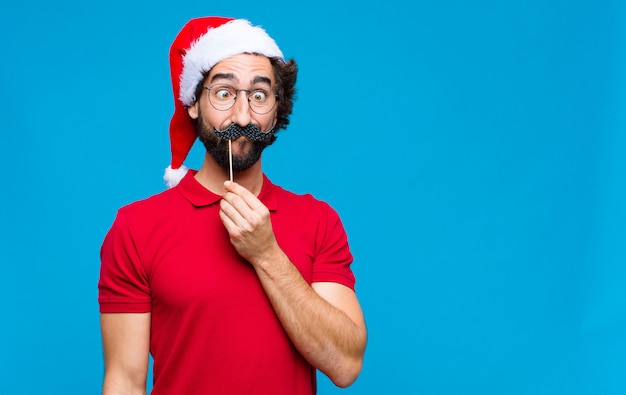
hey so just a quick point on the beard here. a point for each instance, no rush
(251, 150)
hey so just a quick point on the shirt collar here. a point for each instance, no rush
(199, 196)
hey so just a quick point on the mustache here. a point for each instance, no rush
(251, 131)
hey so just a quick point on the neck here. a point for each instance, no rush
(212, 176)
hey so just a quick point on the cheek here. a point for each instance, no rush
(270, 122)
(213, 118)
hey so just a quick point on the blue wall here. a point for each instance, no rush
(475, 151)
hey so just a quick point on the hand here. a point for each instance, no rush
(248, 223)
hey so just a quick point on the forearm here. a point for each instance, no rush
(324, 334)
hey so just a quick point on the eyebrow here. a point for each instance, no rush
(223, 76)
(259, 79)
(231, 77)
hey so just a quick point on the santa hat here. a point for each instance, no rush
(200, 45)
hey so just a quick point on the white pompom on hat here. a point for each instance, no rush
(200, 45)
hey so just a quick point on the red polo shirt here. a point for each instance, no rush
(213, 330)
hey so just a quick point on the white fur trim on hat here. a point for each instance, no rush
(232, 38)
(173, 176)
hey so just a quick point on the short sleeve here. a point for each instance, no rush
(333, 258)
(123, 286)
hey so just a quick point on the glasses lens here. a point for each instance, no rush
(261, 101)
(222, 97)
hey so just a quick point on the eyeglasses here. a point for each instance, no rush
(222, 97)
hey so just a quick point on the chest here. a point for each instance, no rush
(192, 261)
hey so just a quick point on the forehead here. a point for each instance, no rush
(243, 68)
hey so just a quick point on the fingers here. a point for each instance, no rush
(234, 205)
(247, 221)
(240, 210)
(232, 188)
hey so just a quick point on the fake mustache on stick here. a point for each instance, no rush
(251, 131)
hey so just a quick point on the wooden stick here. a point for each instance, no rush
(230, 159)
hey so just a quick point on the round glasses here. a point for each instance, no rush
(222, 97)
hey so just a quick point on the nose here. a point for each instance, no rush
(241, 109)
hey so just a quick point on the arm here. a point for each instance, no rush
(324, 321)
(126, 345)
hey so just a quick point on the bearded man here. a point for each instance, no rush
(233, 284)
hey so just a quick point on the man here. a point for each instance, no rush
(234, 286)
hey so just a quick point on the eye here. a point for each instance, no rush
(258, 96)
(223, 92)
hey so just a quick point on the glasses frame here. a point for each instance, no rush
(248, 91)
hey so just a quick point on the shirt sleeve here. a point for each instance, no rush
(333, 259)
(123, 286)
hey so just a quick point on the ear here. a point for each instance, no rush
(193, 110)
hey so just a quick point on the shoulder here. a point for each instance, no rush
(304, 208)
(135, 222)
(289, 199)
(145, 214)
(152, 204)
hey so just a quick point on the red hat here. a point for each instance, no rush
(200, 45)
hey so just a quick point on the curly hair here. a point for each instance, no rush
(285, 73)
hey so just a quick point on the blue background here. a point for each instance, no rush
(474, 149)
